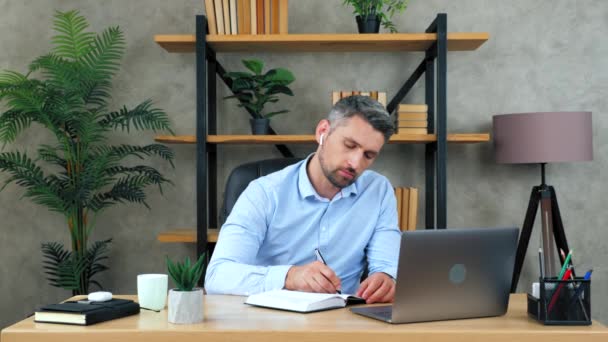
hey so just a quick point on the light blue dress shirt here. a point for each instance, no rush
(279, 220)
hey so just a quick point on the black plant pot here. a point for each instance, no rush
(260, 126)
(368, 24)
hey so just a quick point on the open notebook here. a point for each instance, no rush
(302, 301)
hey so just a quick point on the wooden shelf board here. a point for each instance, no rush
(186, 235)
(458, 41)
(463, 138)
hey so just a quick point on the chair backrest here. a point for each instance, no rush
(407, 207)
(243, 174)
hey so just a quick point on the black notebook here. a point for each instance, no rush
(86, 313)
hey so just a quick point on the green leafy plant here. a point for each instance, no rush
(384, 9)
(83, 173)
(254, 90)
(184, 275)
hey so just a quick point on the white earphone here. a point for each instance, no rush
(321, 140)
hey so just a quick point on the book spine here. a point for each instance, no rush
(254, 17)
(274, 12)
(210, 12)
(233, 17)
(416, 131)
(411, 116)
(283, 16)
(267, 6)
(335, 97)
(414, 108)
(240, 16)
(382, 98)
(412, 124)
(226, 9)
(399, 198)
(405, 206)
(219, 16)
(413, 209)
(260, 16)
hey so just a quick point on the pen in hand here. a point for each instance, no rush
(322, 260)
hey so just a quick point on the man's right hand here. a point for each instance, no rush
(313, 277)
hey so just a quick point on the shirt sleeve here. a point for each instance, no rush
(383, 248)
(232, 268)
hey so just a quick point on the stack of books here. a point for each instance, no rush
(407, 207)
(247, 16)
(380, 96)
(412, 119)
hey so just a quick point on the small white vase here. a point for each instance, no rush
(185, 307)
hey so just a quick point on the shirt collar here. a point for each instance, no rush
(307, 190)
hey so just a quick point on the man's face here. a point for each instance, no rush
(349, 150)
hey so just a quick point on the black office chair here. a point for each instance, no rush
(243, 174)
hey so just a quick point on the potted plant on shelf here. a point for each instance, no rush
(254, 90)
(371, 13)
(83, 173)
(186, 301)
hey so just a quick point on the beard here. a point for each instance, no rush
(334, 177)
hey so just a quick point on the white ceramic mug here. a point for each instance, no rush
(152, 291)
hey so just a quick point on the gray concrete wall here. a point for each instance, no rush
(542, 55)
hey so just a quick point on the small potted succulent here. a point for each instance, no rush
(371, 13)
(186, 300)
(254, 89)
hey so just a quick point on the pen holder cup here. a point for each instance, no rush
(562, 302)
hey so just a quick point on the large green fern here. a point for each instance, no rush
(67, 91)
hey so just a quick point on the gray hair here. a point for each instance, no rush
(365, 107)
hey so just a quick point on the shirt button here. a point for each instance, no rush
(323, 228)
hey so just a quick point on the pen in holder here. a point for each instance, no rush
(562, 302)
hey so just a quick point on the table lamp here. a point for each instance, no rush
(544, 137)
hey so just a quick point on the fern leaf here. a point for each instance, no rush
(142, 117)
(71, 40)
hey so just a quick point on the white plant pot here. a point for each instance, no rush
(185, 307)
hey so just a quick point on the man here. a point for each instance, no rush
(327, 202)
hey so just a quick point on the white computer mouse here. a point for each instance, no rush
(99, 296)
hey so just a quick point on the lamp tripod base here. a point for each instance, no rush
(544, 194)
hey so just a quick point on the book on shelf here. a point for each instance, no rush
(283, 16)
(413, 108)
(210, 12)
(219, 16)
(253, 21)
(382, 98)
(233, 17)
(274, 19)
(412, 124)
(267, 10)
(412, 116)
(86, 313)
(240, 16)
(260, 16)
(407, 207)
(226, 10)
(399, 198)
(412, 130)
(374, 94)
(302, 301)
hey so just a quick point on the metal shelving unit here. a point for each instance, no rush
(435, 42)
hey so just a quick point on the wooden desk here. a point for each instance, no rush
(228, 319)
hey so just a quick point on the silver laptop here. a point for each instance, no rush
(450, 274)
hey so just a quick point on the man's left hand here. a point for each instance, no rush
(377, 288)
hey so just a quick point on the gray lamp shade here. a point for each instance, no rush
(544, 137)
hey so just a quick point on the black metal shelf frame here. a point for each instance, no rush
(433, 66)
